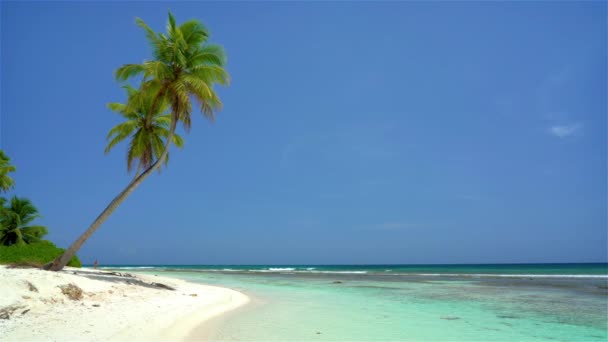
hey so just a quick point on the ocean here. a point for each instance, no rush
(520, 302)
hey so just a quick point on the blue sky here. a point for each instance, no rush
(352, 132)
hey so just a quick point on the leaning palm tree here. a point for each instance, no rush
(147, 135)
(185, 66)
(15, 219)
(6, 182)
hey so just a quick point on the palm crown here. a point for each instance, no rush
(14, 222)
(6, 182)
(185, 65)
(148, 132)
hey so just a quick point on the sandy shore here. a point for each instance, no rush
(114, 306)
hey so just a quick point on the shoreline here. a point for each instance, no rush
(211, 329)
(113, 305)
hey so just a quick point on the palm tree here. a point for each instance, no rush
(185, 65)
(14, 223)
(6, 182)
(147, 136)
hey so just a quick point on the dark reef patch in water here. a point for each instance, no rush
(507, 316)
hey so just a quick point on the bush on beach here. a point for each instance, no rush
(38, 253)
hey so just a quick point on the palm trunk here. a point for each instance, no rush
(63, 260)
(137, 171)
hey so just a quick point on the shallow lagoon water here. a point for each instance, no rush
(294, 306)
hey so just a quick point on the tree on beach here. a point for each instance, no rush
(15, 219)
(6, 182)
(185, 66)
(148, 137)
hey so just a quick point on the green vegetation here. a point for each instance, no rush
(14, 222)
(36, 253)
(20, 241)
(185, 66)
(6, 182)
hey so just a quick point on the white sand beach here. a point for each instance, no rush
(114, 306)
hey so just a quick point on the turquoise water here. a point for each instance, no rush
(496, 269)
(562, 302)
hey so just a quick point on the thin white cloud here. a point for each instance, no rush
(552, 101)
(564, 131)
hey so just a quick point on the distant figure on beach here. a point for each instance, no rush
(95, 263)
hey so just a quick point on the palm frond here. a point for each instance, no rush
(6, 182)
(209, 54)
(193, 32)
(130, 90)
(116, 107)
(119, 133)
(158, 146)
(181, 98)
(33, 234)
(163, 121)
(128, 70)
(150, 34)
(157, 70)
(24, 210)
(135, 151)
(211, 74)
(178, 141)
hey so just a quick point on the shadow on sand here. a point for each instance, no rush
(118, 277)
